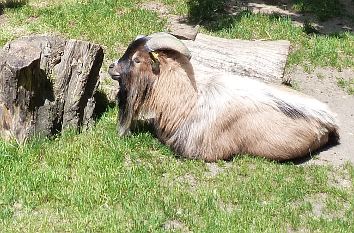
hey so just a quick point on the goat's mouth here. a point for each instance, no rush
(114, 74)
(115, 77)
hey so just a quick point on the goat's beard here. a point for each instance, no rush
(131, 100)
(127, 111)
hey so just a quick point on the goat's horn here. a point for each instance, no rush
(163, 40)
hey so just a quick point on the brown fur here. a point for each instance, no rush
(195, 129)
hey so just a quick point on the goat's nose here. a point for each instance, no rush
(113, 73)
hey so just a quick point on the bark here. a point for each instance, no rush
(47, 84)
(180, 28)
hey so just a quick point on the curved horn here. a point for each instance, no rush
(163, 40)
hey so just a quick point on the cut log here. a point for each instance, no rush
(255, 59)
(180, 28)
(47, 84)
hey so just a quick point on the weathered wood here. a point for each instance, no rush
(77, 80)
(180, 28)
(256, 59)
(47, 84)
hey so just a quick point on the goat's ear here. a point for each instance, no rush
(155, 63)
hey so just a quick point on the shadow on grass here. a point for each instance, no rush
(323, 9)
(216, 15)
(11, 4)
(206, 10)
(102, 104)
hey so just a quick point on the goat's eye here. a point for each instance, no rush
(136, 60)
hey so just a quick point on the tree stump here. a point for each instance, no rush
(47, 84)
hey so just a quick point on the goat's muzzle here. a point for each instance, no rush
(113, 73)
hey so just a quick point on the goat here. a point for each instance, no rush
(218, 116)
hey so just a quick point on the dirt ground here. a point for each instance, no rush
(322, 84)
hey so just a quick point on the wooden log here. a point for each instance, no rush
(255, 59)
(47, 84)
(180, 28)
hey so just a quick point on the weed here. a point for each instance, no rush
(320, 76)
(346, 84)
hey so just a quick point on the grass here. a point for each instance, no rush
(110, 23)
(322, 9)
(98, 182)
(95, 181)
(115, 23)
(311, 50)
(347, 84)
(6, 35)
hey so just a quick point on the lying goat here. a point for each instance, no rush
(214, 117)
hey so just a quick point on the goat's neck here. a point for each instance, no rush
(172, 100)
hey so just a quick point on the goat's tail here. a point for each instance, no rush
(311, 109)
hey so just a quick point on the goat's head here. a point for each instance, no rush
(136, 72)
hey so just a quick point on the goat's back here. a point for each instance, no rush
(240, 115)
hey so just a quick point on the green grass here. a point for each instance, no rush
(322, 9)
(311, 50)
(347, 84)
(98, 182)
(110, 23)
(95, 181)
(177, 7)
(12, 3)
(115, 23)
(5, 35)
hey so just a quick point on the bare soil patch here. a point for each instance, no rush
(322, 84)
(3, 20)
(321, 210)
(42, 4)
(175, 225)
(215, 169)
(157, 7)
(179, 26)
(340, 178)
